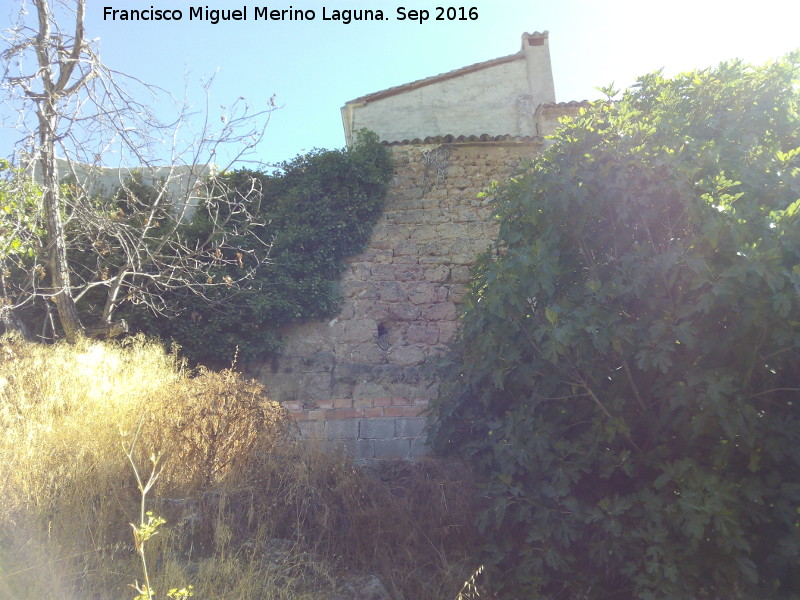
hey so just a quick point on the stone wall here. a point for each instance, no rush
(360, 379)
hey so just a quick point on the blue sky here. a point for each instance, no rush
(313, 67)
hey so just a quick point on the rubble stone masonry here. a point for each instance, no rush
(361, 378)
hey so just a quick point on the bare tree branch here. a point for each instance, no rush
(132, 242)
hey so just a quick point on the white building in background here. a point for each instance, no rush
(182, 184)
(498, 97)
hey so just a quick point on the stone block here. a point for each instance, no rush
(423, 292)
(405, 356)
(457, 292)
(406, 217)
(426, 258)
(467, 216)
(409, 272)
(364, 290)
(450, 231)
(354, 372)
(410, 427)
(426, 238)
(382, 244)
(409, 201)
(391, 291)
(390, 232)
(438, 274)
(358, 448)
(377, 428)
(383, 272)
(359, 331)
(441, 311)
(377, 311)
(443, 292)
(392, 448)
(342, 429)
(312, 430)
(318, 362)
(404, 311)
(380, 230)
(460, 183)
(406, 260)
(366, 353)
(423, 334)
(431, 203)
(313, 386)
(369, 390)
(347, 312)
(432, 249)
(460, 274)
(395, 333)
(405, 247)
(385, 256)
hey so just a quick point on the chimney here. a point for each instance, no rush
(540, 72)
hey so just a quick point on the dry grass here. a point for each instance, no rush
(251, 512)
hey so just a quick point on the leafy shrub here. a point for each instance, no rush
(626, 379)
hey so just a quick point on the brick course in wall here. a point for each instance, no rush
(368, 366)
(365, 428)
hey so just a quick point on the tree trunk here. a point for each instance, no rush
(56, 241)
(48, 115)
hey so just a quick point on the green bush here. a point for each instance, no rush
(310, 214)
(626, 377)
(315, 210)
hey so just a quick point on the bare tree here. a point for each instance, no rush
(77, 113)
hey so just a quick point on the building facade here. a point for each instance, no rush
(362, 379)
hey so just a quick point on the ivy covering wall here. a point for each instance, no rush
(314, 210)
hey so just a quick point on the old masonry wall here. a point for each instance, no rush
(359, 380)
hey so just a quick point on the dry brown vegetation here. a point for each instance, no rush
(252, 512)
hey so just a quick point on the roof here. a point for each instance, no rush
(399, 89)
(466, 139)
